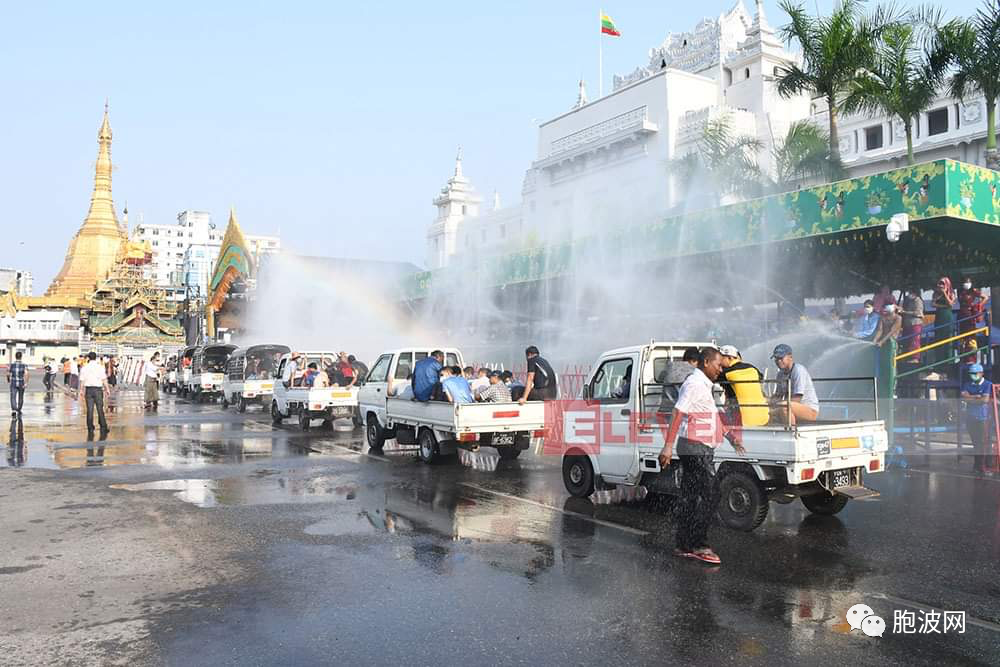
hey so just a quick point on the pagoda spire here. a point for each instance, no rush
(93, 251)
(458, 163)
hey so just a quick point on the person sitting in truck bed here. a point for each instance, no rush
(516, 386)
(426, 376)
(745, 402)
(803, 404)
(496, 392)
(320, 380)
(309, 377)
(456, 387)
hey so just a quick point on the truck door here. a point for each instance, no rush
(612, 389)
(372, 394)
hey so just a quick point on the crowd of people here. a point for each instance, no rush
(344, 370)
(901, 321)
(432, 380)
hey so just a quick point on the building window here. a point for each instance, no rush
(873, 137)
(746, 73)
(156, 232)
(156, 243)
(937, 121)
(463, 209)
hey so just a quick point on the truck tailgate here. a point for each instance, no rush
(499, 417)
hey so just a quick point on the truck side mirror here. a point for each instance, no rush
(586, 391)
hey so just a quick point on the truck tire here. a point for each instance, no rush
(743, 504)
(508, 453)
(578, 476)
(429, 451)
(374, 433)
(824, 503)
(225, 402)
(241, 405)
(357, 420)
(304, 419)
(276, 417)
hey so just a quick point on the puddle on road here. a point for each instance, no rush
(269, 490)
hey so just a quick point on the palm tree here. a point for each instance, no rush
(904, 74)
(834, 48)
(972, 47)
(725, 163)
(804, 153)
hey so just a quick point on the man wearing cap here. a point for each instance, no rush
(977, 393)
(801, 403)
(496, 391)
(745, 402)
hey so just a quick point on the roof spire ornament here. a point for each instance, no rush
(581, 96)
(496, 200)
(458, 163)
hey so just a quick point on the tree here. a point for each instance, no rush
(834, 48)
(972, 48)
(725, 163)
(903, 76)
(804, 153)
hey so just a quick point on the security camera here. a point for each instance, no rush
(898, 224)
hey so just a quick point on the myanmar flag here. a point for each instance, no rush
(608, 26)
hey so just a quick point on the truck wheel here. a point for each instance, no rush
(357, 420)
(241, 406)
(578, 476)
(276, 417)
(742, 503)
(304, 419)
(428, 446)
(225, 402)
(508, 453)
(824, 503)
(375, 434)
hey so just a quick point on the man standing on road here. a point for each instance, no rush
(427, 376)
(698, 429)
(17, 378)
(94, 388)
(541, 383)
(977, 394)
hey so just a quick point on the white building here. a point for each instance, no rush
(606, 163)
(17, 281)
(38, 334)
(172, 264)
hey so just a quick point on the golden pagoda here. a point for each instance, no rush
(95, 248)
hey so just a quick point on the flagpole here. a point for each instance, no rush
(600, 55)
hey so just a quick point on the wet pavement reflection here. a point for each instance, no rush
(492, 556)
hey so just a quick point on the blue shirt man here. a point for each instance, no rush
(867, 323)
(980, 390)
(458, 388)
(426, 375)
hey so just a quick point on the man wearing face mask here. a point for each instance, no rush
(970, 307)
(977, 393)
(867, 322)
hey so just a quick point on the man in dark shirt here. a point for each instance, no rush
(427, 376)
(360, 370)
(17, 377)
(541, 384)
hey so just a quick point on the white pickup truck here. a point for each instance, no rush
(250, 376)
(438, 427)
(308, 403)
(208, 371)
(822, 463)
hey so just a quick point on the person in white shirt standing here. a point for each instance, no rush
(94, 388)
(699, 429)
(151, 382)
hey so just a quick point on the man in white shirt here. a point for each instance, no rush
(94, 388)
(699, 429)
(481, 382)
(151, 382)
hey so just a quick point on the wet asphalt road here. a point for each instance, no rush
(203, 537)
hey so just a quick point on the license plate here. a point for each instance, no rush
(840, 478)
(503, 439)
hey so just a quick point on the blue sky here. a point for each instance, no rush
(333, 123)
